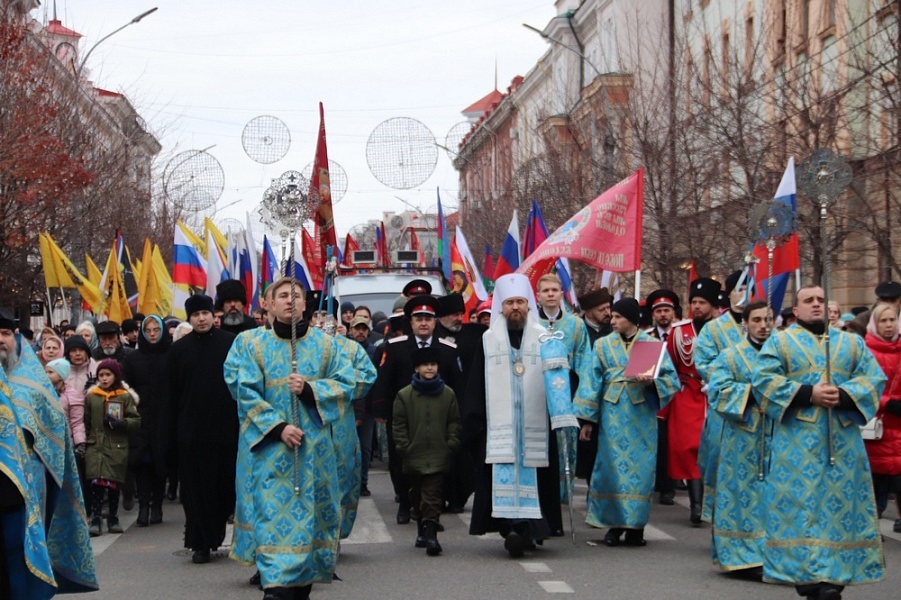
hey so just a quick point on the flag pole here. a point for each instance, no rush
(637, 284)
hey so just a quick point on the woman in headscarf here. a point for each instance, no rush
(145, 371)
(885, 454)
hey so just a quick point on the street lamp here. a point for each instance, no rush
(109, 35)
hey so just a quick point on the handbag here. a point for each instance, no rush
(872, 430)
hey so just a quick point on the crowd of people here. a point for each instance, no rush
(270, 420)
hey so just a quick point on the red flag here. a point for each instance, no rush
(415, 245)
(488, 265)
(321, 184)
(317, 271)
(381, 246)
(692, 273)
(606, 234)
(350, 246)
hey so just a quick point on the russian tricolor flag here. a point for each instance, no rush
(787, 256)
(508, 261)
(188, 266)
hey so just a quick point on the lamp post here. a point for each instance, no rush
(108, 36)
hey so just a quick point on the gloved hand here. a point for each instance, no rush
(79, 450)
(893, 407)
(116, 424)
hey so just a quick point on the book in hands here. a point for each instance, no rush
(645, 359)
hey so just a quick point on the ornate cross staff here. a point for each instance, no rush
(288, 204)
(772, 224)
(823, 177)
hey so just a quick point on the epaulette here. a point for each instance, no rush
(447, 342)
(682, 322)
(399, 338)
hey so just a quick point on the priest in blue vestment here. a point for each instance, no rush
(288, 446)
(625, 411)
(821, 524)
(44, 544)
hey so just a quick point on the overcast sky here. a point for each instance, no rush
(198, 71)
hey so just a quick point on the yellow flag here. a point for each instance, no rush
(65, 273)
(164, 281)
(94, 274)
(221, 241)
(115, 298)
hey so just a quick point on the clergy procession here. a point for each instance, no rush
(533, 414)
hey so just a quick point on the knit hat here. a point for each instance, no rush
(399, 303)
(731, 282)
(347, 307)
(61, 366)
(75, 342)
(111, 365)
(628, 308)
(429, 354)
(129, 325)
(199, 302)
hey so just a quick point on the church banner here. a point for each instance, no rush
(606, 234)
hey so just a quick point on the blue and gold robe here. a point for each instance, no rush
(344, 434)
(626, 412)
(821, 523)
(739, 518)
(578, 350)
(717, 335)
(292, 538)
(54, 530)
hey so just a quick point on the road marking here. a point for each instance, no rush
(369, 528)
(556, 587)
(535, 567)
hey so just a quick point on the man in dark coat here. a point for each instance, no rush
(109, 342)
(394, 372)
(468, 339)
(145, 371)
(203, 428)
(231, 298)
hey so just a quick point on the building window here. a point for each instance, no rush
(829, 66)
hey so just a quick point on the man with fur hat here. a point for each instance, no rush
(596, 314)
(506, 421)
(202, 428)
(625, 409)
(394, 372)
(723, 332)
(688, 408)
(44, 542)
(231, 299)
(467, 337)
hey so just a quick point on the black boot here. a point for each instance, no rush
(143, 516)
(420, 535)
(156, 514)
(432, 547)
(635, 537)
(612, 537)
(696, 498)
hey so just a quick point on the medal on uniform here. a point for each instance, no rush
(519, 368)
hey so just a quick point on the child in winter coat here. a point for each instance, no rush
(71, 400)
(427, 432)
(109, 414)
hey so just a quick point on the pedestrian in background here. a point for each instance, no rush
(427, 433)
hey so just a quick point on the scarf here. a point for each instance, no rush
(499, 391)
(429, 387)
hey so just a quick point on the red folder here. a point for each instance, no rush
(645, 358)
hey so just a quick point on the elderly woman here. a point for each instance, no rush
(87, 331)
(885, 454)
(51, 348)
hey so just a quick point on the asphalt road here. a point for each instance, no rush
(380, 562)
